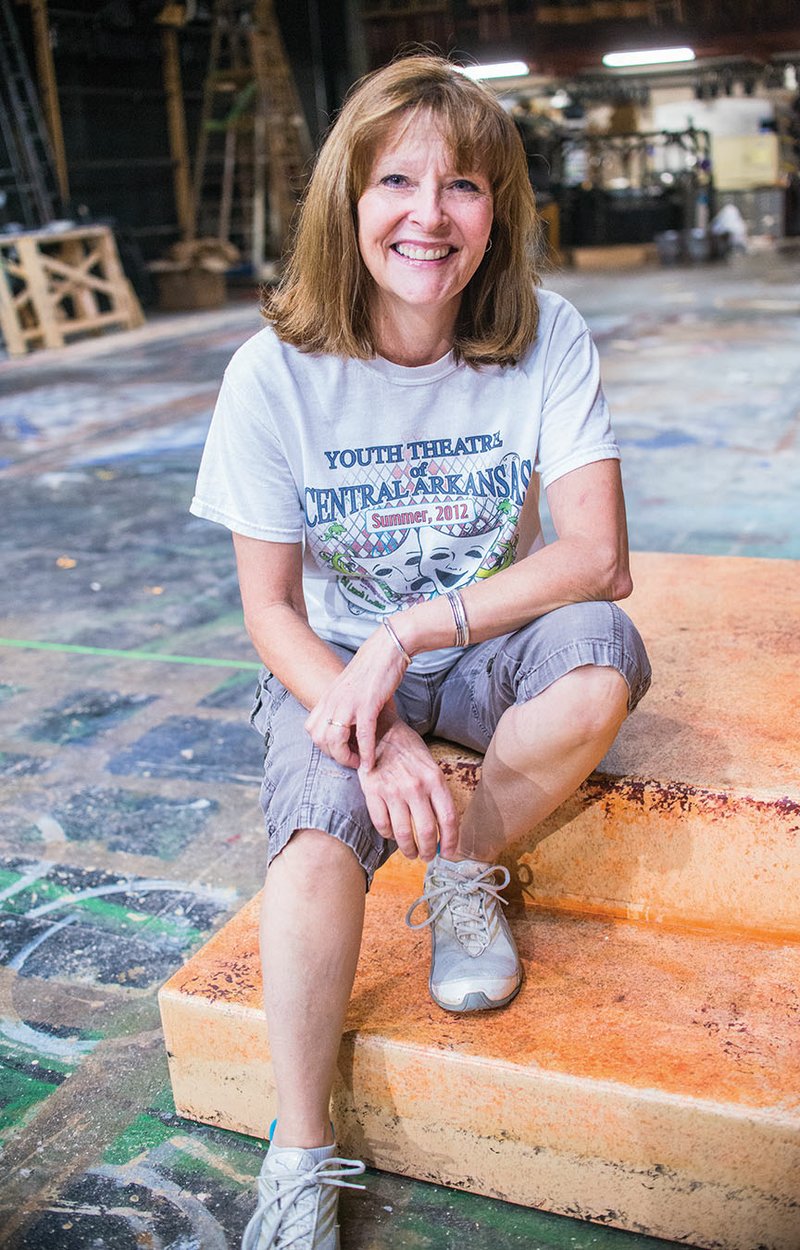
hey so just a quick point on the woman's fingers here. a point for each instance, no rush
(344, 722)
(379, 814)
(446, 819)
(338, 744)
(334, 737)
(410, 816)
(389, 812)
(414, 796)
(365, 739)
(392, 822)
(350, 744)
(426, 829)
(402, 828)
(345, 729)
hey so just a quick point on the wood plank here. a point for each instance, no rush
(9, 318)
(38, 287)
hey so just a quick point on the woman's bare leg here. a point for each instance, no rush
(541, 752)
(311, 925)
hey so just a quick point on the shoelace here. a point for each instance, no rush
(289, 1188)
(458, 893)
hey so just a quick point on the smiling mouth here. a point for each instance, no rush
(411, 252)
(447, 579)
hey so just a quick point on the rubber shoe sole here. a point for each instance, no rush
(477, 1001)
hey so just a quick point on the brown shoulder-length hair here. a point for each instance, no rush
(322, 303)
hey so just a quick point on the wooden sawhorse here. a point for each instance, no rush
(56, 285)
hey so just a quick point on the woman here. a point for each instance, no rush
(377, 452)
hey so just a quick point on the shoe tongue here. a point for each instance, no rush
(295, 1159)
(289, 1160)
(466, 867)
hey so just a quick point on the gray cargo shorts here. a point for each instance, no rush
(305, 789)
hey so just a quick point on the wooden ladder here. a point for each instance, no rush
(29, 180)
(246, 187)
(289, 147)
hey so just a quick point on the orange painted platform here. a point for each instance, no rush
(693, 817)
(647, 1075)
(642, 1078)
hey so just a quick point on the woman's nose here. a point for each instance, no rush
(427, 209)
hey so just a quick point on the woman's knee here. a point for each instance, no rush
(313, 858)
(592, 636)
(591, 701)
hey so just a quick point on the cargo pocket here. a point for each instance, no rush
(262, 702)
(258, 703)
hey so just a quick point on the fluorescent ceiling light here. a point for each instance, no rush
(503, 69)
(653, 56)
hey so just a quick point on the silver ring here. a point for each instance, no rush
(340, 724)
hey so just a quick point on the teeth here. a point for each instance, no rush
(421, 253)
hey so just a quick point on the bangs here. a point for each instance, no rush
(480, 140)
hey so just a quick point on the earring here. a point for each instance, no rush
(488, 247)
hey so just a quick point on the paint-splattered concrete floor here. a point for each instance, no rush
(129, 826)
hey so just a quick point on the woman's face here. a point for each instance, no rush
(423, 225)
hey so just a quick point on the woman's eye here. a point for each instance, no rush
(464, 184)
(394, 180)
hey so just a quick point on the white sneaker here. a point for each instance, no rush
(297, 1200)
(474, 961)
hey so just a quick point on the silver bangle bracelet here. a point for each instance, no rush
(390, 631)
(460, 618)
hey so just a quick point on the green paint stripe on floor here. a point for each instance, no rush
(143, 1134)
(109, 653)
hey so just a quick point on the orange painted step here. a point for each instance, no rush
(694, 816)
(643, 1078)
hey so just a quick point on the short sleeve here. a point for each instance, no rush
(245, 481)
(576, 426)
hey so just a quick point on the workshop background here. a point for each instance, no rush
(151, 158)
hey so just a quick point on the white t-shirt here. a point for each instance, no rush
(401, 483)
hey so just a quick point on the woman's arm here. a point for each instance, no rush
(589, 560)
(271, 586)
(406, 795)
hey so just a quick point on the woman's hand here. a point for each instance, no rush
(343, 723)
(407, 796)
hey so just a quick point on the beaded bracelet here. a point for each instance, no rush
(390, 631)
(460, 617)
